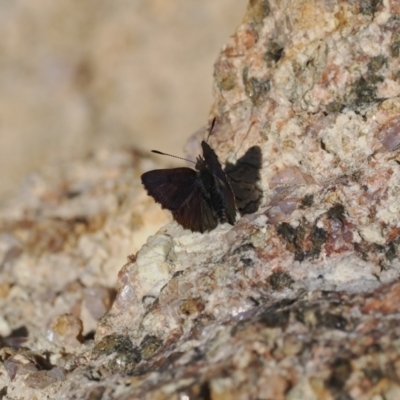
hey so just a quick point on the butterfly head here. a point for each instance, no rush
(201, 163)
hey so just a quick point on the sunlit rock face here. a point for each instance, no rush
(306, 96)
(298, 300)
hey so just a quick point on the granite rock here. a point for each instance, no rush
(298, 300)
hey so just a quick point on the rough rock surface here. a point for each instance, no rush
(299, 300)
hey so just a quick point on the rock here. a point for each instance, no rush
(300, 298)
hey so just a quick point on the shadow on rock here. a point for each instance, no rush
(243, 177)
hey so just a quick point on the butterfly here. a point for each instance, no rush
(199, 199)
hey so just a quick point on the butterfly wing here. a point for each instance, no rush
(228, 198)
(196, 214)
(170, 187)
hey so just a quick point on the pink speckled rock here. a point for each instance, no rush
(298, 300)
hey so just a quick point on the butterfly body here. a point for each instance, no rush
(199, 199)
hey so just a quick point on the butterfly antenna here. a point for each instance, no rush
(170, 155)
(211, 128)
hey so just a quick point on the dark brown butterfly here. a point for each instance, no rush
(198, 199)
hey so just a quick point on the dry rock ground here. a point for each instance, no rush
(75, 76)
(298, 300)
